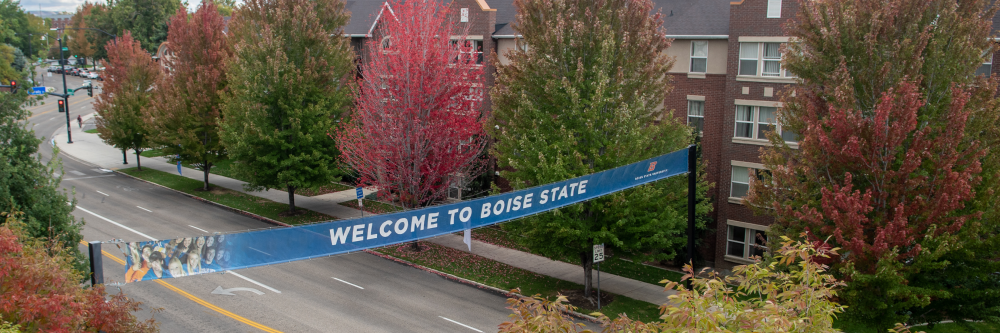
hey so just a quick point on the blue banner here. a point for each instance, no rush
(206, 254)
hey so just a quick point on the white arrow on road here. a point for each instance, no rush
(220, 291)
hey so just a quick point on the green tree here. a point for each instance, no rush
(915, 206)
(129, 77)
(147, 20)
(28, 185)
(79, 42)
(7, 71)
(184, 118)
(291, 80)
(584, 98)
(793, 293)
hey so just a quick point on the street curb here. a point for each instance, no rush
(203, 200)
(493, 290)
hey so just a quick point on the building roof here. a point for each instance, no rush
(363, 13)
(681, 18)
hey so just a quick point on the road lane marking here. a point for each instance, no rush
(145, 209)
(202, 230)
(254, 282)
(115, 223)
(356, 286)
(77, 173)
(103, 193)
(78, 178)
(466, 326)
(196, 299)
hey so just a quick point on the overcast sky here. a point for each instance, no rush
(70, 5)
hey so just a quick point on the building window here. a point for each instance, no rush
(761, 59)
(696, 115)
(773, 8)
(746, 242)
(472, 49)
(753, 122)
(986, 67)
(772, 59)
(740, 182)
(699, 56)
(748, 59)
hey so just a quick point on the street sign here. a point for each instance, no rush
(598, 253)
(65, 49)
(361, 194)
(37, 91)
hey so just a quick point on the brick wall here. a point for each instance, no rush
(712, 87)
(748, 18)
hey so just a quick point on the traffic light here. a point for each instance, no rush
(90, 91)
(62, 106)
(13, 87)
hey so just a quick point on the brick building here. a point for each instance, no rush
(727, 82)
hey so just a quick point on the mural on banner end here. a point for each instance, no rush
(176, 257)
(207, 254)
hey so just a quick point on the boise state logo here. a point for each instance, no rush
(652, 165)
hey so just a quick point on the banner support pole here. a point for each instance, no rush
(96, 263)
(692, 188)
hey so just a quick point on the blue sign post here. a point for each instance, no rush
(361, 203)
(37, 91)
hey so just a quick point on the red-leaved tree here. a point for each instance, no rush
(418, 125)
(125, 95)
(40, 290)
(184, 119)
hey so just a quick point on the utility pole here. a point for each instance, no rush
(62, 65)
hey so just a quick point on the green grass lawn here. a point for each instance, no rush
(939, 328)
(225, 168)
(374, 207)
(612, 265)
(234, 199)
(506, 277)
(152, 153)
(91, 131)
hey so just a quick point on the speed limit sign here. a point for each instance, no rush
(598, 253)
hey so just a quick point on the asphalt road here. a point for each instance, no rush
(348, 293)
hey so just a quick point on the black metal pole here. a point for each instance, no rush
(62, 65)
(692, 188)
(96, 263)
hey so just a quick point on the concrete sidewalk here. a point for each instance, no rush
(89, 148)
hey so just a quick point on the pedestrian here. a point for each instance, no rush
(79, 120)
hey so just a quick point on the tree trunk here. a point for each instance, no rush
(588, 269)
(124, 157)
(137, 162)
(291, 199)
(205, 168)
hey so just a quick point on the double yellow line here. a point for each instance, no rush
(198, 300)
(70, 104)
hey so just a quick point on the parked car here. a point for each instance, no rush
(94, 75)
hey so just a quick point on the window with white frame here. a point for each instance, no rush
(987, 66)
(696, 115)
(753, 122)
(470, 49)
(773, 8)
(699, 56)
(742, 242)
(741, 179)
(761, 59)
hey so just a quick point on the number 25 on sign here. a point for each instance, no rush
(598, 253)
